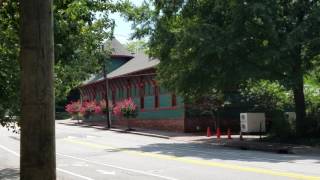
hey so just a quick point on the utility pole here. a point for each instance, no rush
(38, 155)
(105, 76)
(106, 94)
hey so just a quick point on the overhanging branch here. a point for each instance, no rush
(1, 2)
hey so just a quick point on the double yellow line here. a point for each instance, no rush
(197, 162)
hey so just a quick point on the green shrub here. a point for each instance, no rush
(281, 127)
(266, 96)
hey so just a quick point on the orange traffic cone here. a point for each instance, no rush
(218, 133)
(229, 133)
(208, 132)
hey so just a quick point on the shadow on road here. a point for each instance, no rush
(9, 174)
(209, 152)
(205, 148)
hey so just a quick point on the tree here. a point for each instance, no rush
(218, 44)
(80, 27)
(266, 96)
(137, 46)
(9, 75)
(79, 33)
(38, 156)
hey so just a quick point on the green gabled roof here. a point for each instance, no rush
(137, 62)
(117, 49)
(140, 62)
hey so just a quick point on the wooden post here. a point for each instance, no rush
(38, 156)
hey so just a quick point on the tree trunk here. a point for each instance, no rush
(37, 161)
(300, 107)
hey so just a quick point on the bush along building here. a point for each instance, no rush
(134, 76)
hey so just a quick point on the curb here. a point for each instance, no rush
(118, 130)
(140, 133)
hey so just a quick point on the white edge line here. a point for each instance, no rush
(117, 167)
(9, 150)
(74, 174)
(59, 169)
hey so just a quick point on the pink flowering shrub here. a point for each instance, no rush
(90, 107)
(103, 106)
(126, 108)
(73, 108)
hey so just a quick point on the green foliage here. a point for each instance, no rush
(80, 27)
(205, 106)
(274, 99)
(266, 96)
(312, 93)
(9, 73)
(229, 41)
(137, 46)
(281, 127)
(79, 33)
(219, 44)
(312, 123)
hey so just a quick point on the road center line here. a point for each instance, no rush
(196, 161)
(59, 169)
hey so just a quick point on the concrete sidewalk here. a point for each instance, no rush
(250, 142)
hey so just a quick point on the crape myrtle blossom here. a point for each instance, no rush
(126, 108)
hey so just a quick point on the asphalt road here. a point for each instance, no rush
(91, 154)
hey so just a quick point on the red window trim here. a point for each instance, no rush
(142, 90)
(113, 97)
(156, 97)
(173, 100)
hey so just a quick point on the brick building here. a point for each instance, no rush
(133, 75)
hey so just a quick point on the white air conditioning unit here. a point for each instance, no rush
(252, 122)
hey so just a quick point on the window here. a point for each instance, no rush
(146, 89)
(133, 91)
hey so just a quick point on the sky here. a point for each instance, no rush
(122, 29)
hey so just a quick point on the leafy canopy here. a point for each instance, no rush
(80, 27)
(220, 44)
(216, 43)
